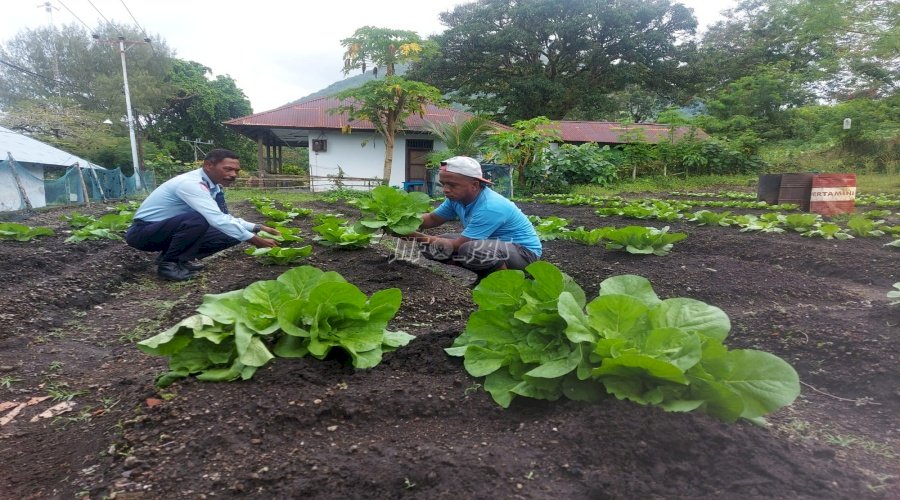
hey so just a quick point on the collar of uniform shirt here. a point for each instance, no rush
(213, 187)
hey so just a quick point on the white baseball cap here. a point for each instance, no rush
(463, 165)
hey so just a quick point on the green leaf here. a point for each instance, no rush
(764, 381)
(226, 308)
(500, 385)
(175, 338)
(501, 288)
(578, 327)
(480, 361)
(289, 346)
(558, 367)
(692, 316)
(384, 304)
(618, 316)
(222, 374)
(393, 340)
(300, 280)
(632, 285)
(367, 359)
(292, 319)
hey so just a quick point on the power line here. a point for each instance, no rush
(113, 26)
(136, 23)
(90, 30)
(31, 73)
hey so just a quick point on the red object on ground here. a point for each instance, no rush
(833, 194)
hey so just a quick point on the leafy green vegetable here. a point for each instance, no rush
(642, 240)
(863, 227)
(21, 232)
(548, 228)
(110, 226)
(78, 220)
(802, 222)
(335, 231)
(895, 294)
(828, 230)
(287, 234)
(279, 256)
(393, 209)
(895, 244)
(539, 338)
(305, 311)
(584, 236)
(708, 218)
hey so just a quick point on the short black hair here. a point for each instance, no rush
(216, 156)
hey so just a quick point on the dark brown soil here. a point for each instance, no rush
(418, 425)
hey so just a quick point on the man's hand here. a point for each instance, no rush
(269, 230)
(260, 242)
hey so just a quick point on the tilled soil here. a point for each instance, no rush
(418, 425)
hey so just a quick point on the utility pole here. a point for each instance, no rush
(49, 8)
(134, 152)
(195, 145)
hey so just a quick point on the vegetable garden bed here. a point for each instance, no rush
(417, 424)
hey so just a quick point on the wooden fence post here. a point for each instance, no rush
(22, 192)
(84, 191)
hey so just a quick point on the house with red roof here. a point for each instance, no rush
(355, 149)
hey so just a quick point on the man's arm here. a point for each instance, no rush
(429, 221)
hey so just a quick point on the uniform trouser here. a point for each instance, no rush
(481, 256)
(182, 238)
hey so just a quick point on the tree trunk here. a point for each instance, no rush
(388, 156)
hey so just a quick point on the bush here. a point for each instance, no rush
(584, 164)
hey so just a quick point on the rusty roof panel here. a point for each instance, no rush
(610, 132)
(313, 114)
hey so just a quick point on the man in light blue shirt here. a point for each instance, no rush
(186, 218)
(496, 234)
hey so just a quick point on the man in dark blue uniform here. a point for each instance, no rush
(186, 218)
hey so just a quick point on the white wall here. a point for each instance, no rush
(32, 181)
(358, 154)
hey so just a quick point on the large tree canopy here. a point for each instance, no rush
(836, 48)
(60, 84)
(519, 59)
(197, 107)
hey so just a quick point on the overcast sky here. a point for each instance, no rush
(276, 50)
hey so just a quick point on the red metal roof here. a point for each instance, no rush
(313, 114)
(610, 132)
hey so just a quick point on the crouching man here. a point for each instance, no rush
(496, 234)
(185, 219)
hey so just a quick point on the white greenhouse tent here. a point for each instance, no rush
(24, 163)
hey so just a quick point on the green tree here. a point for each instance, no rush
(196, 108)
(756, 105)
(524, 146)
(69, 64)
(61, 123)
(382, 47)
(387, 104)
(518, 60)
(837, 48)
(463, 137)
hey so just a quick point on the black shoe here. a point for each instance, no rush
(173, 271)
(193, 265)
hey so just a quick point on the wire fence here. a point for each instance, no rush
(28, 185)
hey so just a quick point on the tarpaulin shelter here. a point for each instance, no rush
(25, 162)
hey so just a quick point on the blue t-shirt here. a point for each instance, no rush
(491, 216)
